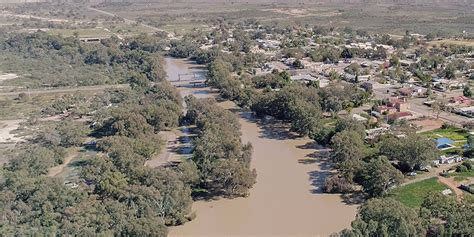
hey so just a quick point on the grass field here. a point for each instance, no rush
(455, 134)
(462, 175)
(12, 108)
(413, 194)
(459, 136)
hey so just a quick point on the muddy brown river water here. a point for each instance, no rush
(286, 200)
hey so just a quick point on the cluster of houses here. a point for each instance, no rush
(462, 105)
(396, 108)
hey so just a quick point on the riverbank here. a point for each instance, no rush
(287, 199)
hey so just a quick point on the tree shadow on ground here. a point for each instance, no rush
(79, 163)
(270, 129)
(312, 145)
(325, 169)
(317, 178)
(277, 132)
(356, 198)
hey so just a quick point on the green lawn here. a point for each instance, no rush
(462, 175)
(413, 194)
(455, 134)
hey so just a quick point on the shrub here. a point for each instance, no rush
(338, 184)
(468, 164)
(461, 169)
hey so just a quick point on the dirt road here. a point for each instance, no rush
(453, 185)
(54, 171)
(129, 21)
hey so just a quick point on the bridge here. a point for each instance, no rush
(193, 76)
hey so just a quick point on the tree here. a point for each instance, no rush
(347, 152)
(467, 91)
(394, 61)
(450, 72)
(379, 175)
(347, 145)
(71, 133)
(222, 161)
(298, 64)
(445, 216)
(411, 151)
(386, 217)
(350, 124)
(437, 106)
(338, 184)
(305, 117)
(346, 53)
(232, 177)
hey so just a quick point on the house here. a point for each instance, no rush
(444, 143)
(307, 78)
(400, 104)
(467, 111)
(400, 115)
(448, 160)
(461, 100)
(375, 132)
(385, 109)
(393, 106)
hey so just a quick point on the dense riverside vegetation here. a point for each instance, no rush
(222, 160)
(43, 60)
(116, 193)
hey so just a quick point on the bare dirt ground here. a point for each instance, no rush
(290, 12)
(428, 124)
(8, 76)
(54, 171)
(168, 154)
(6, 131)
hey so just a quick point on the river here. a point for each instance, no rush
(286, 200)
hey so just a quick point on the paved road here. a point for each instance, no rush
(417, 106)
(384, 91)
(64, 90)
